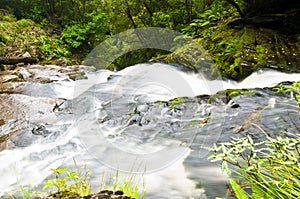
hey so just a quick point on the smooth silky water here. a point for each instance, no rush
(118, 121)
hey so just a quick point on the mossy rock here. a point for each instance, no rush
(77, 75)
(177, 101)
(240, 51)
(226, 95)
(236, 52)
(194, 58)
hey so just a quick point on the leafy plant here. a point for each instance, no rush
(271, 168)
(294, 88)
(129, 187)
(68, 184)
(89, 32)
(26, 193)
(217, 13)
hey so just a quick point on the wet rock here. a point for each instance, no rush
(19, 64)
(235, 105)
(24, 73)
(62, 62)
(119, 193)
(40, 130)
(9, 78)
(105, 194)
(111, 77)
(27, 54)
(77, 76)
(108, 192)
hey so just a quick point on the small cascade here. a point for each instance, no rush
(148, 120)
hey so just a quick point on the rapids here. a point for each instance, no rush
(124, 121)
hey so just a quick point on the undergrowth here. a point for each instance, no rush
(268, 168)
(64, 184)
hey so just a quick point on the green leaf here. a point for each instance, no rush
(50, 183)
(258, 192)
(239, 192)
(59, 170)
(205, 23)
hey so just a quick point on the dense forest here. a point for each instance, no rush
(240, 35)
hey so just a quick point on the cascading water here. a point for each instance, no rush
(124, 121)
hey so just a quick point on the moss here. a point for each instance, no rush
(177, 101)
(77, 76)
(194, 58)
(240, 50)
(227, 95)
(46, 81)
(18, 37)
(233, 94)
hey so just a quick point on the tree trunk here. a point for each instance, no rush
(16, 60)
(237, 7)
(189, 9)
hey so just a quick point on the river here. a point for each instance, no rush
(124, 121)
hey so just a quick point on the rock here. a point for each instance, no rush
(40, 130)
(235, 105)
(25, 74)
(27, 54)
(9, 78)
(20, 64)
(119, 193)
(62, 62)
(105, 194)
(108, 192)
(77, 75)
(2, 122)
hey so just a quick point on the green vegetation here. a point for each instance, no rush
(240, 35)
(176, 101)
(60, 188)
(23, 35)
(242, 40)
(129, 187)
(294, 89)
(268, 168)
(66, 184)
(229, 94)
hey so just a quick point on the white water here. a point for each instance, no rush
(139, 83)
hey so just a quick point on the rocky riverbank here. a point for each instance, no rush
(43, 123)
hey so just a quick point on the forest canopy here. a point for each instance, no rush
(72, 28)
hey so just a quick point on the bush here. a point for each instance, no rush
(86, 34)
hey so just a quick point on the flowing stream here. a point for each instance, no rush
(124, 121)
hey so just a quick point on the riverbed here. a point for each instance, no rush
(149, 121)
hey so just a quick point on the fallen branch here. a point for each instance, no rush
(16, 60)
